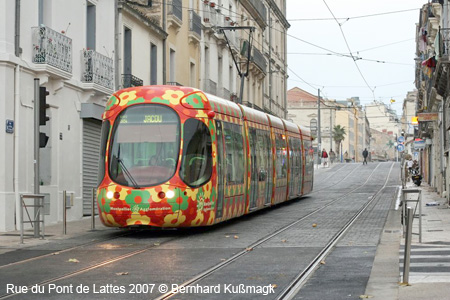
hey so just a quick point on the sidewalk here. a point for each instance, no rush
(429, 276)
(10, 241)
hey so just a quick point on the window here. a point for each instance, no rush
(127, 53)
(104, 139)
(172, 66)
(193, 75)
(196, 167)
(281, 154)
(145, 145)
(234, 153)
(90, 26)
(153, 64)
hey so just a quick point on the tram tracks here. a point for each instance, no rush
(293, 287)
(199, 277)
(334, 183)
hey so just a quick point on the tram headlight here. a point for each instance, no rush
(109, 194)
(170, 194)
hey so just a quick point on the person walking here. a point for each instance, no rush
(332, 156)
(346, 157)
(324, 157)
(365, 154)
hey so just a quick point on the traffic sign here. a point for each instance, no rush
(401, 147)
(401, 139)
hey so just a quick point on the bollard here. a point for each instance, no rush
(407, 255)
(64, 213)
(420, 217)
(93, 210)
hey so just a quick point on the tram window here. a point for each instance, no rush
(143, 152)
(234, 153)
(104, 138)
(262, 153)
(281, 154)
(196, 167)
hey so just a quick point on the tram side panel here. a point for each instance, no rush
(232, 171)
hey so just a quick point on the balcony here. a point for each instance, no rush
(97, 69)
(258, 11)
(175, 14)
(128, 80)
(195, 27)
(174, 83)
(441, 74)
(53, 49)
(211, 87)
(259, 60)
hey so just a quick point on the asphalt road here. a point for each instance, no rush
(140, 265)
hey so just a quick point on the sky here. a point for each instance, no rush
(389, 37)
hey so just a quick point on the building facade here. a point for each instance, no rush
(432, 61)
(82, 51)
(303, 110)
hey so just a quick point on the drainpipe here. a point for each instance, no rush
(164, 24)
(16, 144)
(17, 30)
(16, 117)
(116, 45)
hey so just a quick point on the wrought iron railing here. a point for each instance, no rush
(176, 9)
(128, 80)
(52, 48)
(226, 94)
(259, 60)
(444, 41)
(211, 87)
(174, 83)
(97, 68)
(260, 8)
(195, 23)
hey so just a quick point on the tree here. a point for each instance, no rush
(390, 144)
(338, 136)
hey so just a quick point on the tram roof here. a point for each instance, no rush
(220, 105)
(291, 127)
(276, 122)
(254, 115)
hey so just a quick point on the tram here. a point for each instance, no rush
(177, 157)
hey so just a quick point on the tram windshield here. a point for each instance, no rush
(145, 145)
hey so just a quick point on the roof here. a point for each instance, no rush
(297, 95)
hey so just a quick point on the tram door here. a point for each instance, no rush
(220, 170)
(254, 169)
(269, 158)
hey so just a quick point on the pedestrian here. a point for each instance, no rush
(365, 154)
(332, 156)
(324, 157)
(346, 157)
(409, 167)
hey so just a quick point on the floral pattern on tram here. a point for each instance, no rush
(125, 206)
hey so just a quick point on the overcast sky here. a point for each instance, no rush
(337, 76)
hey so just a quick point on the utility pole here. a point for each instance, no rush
(240, 69)
(331, 129)
(270, 64)
(319, 138)
(36, 151)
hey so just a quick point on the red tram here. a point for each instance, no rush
(176, 157)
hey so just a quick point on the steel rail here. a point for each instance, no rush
(333, 184)
(89, 268)
(65, 250)
(104, 240)
(294, 287)
(248, 249)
